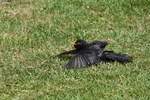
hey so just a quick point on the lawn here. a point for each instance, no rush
(32, 32)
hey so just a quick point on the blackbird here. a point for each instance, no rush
(89, 53)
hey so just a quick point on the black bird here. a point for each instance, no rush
(89, 53)
(85, 53)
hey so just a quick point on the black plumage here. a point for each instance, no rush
(111, 56)
(89, 53)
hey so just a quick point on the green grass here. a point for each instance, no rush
(32, 31)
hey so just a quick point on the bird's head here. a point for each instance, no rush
(103, 44)
(99, 44)
(79, 44)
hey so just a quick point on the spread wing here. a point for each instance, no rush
(83, 59)
(71, 52)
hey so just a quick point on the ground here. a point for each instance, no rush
(32, 32)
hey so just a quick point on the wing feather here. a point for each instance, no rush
(83, 59)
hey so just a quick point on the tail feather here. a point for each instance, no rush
(110, 56)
